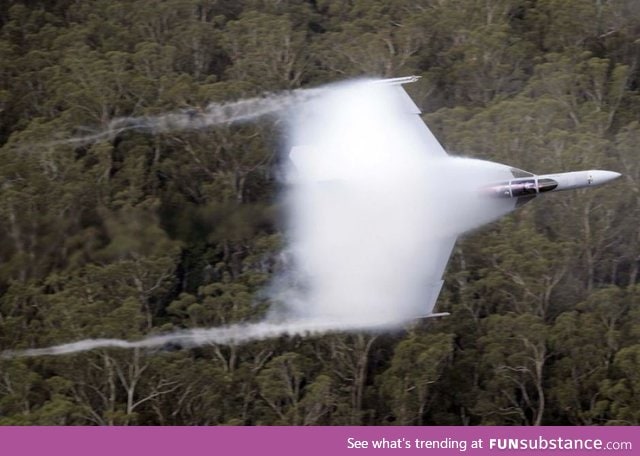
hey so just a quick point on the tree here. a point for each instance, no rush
(267, 50)
(515, 355)
(408, 383)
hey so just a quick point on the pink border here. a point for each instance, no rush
(196, 441)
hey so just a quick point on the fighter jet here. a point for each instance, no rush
(508, 187)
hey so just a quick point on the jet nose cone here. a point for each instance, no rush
(602, 177)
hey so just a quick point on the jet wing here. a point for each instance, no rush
(316, 154)
(346, 144)
(441, 252)
(431, 145)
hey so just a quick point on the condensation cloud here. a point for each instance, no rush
(369, 211)
(371, 208)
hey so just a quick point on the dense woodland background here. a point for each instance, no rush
(140, 234)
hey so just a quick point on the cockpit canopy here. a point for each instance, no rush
(527, 187)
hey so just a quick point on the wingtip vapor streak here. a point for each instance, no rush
(517, 187)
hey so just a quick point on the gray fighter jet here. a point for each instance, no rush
(508, 187)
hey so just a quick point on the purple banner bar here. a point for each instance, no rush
(331, 441)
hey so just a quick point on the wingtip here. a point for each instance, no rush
(398, 81)
(433, 315)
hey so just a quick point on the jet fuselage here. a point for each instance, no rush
(531, 185)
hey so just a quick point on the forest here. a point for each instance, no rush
(138, 234)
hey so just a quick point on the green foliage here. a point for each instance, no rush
(415, 368)
(136, 233)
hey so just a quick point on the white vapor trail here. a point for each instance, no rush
(194, 119)
(226, 335)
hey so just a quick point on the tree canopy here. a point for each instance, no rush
(141, 233)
